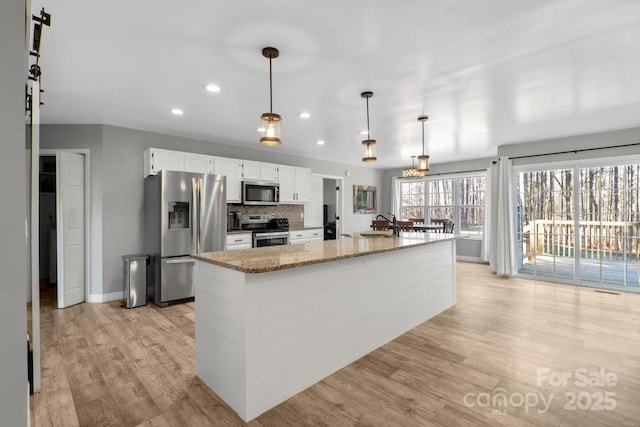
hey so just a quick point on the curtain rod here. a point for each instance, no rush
(575, 151)
(454, 173)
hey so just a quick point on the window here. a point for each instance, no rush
(412, 200)
(460, 198)
(441, 197)
(471, 198)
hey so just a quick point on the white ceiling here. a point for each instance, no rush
(487, 72)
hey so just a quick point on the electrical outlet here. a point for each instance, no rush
(301, 215)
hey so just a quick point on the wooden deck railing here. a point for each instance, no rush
(598, 239)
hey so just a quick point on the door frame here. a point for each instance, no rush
(87, 211)
(339, 199)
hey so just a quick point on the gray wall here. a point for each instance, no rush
(13, 297)
(117, 186)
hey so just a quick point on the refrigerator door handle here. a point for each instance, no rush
(181, 261)
(195, 226)
(201, 206)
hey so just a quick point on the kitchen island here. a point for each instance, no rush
(272, 321)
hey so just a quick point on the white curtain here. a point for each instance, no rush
(501, 248)
(395, 196)
(487, 222)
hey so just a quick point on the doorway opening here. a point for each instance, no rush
(47, 225)
(63, 227)
(325, 209)
(332, 190)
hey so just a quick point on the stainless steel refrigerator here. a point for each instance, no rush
(185, 213)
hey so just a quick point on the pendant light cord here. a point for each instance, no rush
(271, 89)
(423, 137)
(368, 132)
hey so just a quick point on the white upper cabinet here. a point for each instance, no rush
(269, 172)
(303, 185)
(156, 159)
(198, 163)
(232, 169)
(250, 171)
(257, 171)
(294, 184)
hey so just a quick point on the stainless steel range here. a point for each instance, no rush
(267, 231)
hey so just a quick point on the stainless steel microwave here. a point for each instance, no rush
(260, 193)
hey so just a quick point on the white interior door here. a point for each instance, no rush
(70, 215)
(313, 211)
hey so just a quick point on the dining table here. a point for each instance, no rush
(428, 227)
(424, 227)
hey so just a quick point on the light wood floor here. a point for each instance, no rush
(108, 366)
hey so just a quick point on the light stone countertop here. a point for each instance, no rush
(231, 232)
(273, 258)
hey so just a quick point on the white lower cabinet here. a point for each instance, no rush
(308, 235)
(238, 241)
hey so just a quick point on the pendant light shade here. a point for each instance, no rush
(423, 160)
(412, 172)
(270, 123)
(368, 143)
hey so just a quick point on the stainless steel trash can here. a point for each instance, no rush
(135, 280)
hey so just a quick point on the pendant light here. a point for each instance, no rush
(423, 160)
(270, 122)
(412, 172)
(368, 143)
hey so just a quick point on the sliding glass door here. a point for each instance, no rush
(547, 223)
(609, 225)
(579, 224)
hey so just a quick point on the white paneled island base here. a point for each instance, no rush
(263, 337)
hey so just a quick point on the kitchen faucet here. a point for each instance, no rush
(396, 229)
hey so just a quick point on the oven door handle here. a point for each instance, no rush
(269, 235)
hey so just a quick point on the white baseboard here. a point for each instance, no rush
(106, 297)
(470, 259)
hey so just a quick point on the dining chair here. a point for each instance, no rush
(379, 224)
(448, 227)
(405, 225)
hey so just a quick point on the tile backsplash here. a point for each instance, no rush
(293, 212)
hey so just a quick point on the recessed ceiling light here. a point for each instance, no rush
(304, 115)
(364, 132)
(213, 88)
(261, 129)
(177, 111)
(320, 142)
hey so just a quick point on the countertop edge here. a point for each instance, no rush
(249, 270)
